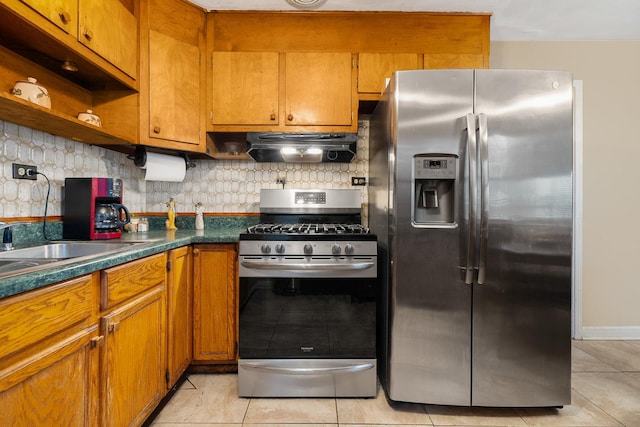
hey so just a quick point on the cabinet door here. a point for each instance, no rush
(109, 28)
(179, 313)
(63, 13)
(134, 359)
(374, 68)
(453, 60)
(215, 303)
(174, 89)
(53, 387)
(318, 88)
(245, 88)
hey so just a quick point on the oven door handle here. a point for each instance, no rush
(310, 371)
(265, 265)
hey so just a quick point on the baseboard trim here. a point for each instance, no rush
(611, 332)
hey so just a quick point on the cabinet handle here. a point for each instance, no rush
(196, 251)
(156, 129)
(65, 17)
(290, 117)
(273, 116)
(114, 327)
(97, 341)
(88, 34)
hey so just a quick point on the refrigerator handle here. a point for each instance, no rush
(484, 196)
(472, 191)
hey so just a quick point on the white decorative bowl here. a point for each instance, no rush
(89, 117)
(31, 91)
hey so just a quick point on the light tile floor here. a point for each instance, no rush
(605, 382)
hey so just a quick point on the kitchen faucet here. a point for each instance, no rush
(7, 235)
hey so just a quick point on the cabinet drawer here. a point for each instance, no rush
(119, 283)
(33, 316)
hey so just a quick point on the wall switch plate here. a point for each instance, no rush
(24, 172)
(358, 180)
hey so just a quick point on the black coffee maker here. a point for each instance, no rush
(93, 209)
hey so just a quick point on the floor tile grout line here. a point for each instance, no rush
(598, 406)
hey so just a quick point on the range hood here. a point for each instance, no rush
(302, 147)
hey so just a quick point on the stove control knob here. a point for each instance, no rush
(279, 248)
(348, 249)
(335, 249)
(265, 248)
(308, 249)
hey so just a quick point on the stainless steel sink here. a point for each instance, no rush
(65, 250)
(25, 260)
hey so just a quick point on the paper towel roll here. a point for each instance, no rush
(161, 167)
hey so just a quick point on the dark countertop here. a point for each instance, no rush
(158, 241)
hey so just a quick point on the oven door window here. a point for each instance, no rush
(307, 318)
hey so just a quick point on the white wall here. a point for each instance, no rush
(610, 72)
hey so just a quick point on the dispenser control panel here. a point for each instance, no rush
(434, 167)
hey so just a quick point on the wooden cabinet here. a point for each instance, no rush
(134, 353)
(288, 92)
(32, 43)
(62, 13)
(318, 89)
(215, 303)
(450, 60)
(49, 357)
(374, 68)
(173, 97)
(245, 88)
(110, 28)
(179, 313)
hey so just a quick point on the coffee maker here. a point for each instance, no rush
(93, 209)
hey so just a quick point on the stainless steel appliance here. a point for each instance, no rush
(93, 209)
(471, 198)
(302, 147)
(308, 275)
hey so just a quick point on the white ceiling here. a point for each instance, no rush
(511, 20)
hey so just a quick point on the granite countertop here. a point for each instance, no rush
(158, 241)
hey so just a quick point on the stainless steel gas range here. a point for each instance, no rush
(308, 285)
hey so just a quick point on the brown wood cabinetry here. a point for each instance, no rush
(134, 352)
(247, 88)
(110, 29)
(62, 13)
(173, 98)
(49, 358)
(215, 303)
(375, 67)
(33, 43)
(179, 313)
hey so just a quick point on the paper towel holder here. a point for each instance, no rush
(140, 158)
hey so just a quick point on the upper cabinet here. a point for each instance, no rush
(318, 89)
(307, 71)
(110, 29)
(246, 90)
(63, 13)
(375, 67)
(173, 99)
(96, 42)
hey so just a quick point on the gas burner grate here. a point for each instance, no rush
(303, 228)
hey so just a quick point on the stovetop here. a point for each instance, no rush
(306, 228)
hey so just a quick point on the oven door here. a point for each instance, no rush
(298, 318)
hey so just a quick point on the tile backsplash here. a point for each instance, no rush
(229, 186)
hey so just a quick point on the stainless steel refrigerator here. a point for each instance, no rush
(471, 199)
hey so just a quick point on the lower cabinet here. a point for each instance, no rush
(179, 313)
(215, 303)
(49, 356)
(134, 355)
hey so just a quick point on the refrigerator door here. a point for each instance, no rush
(430, 303)
(522, 301)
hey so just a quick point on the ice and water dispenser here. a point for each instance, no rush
(434, 177)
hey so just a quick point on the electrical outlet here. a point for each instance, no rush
(358, 180)
(24, 172)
